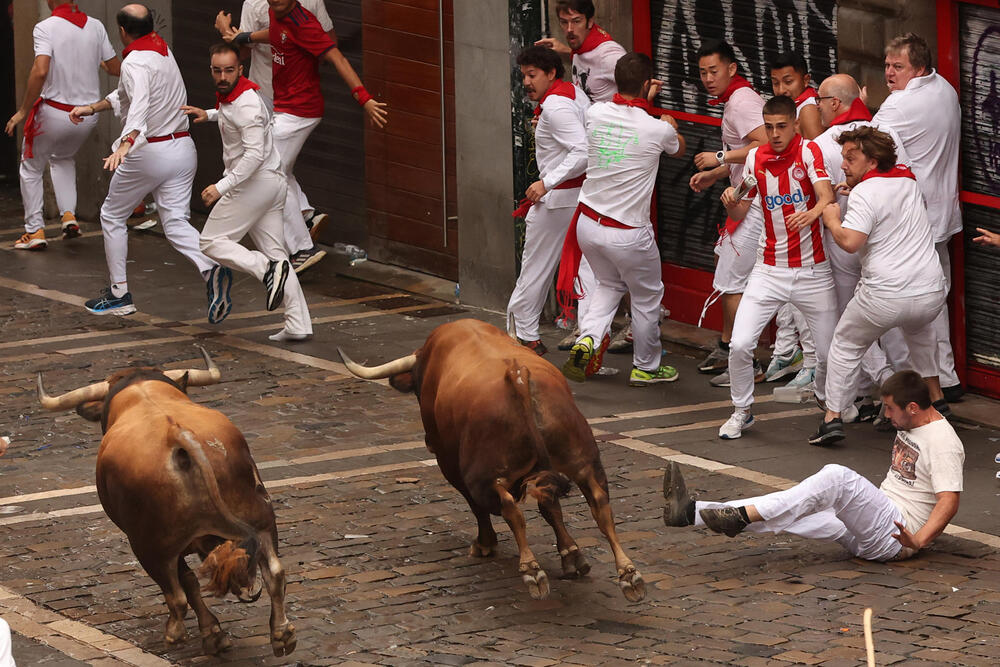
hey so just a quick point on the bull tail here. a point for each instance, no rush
(542, 483)
(232, 566)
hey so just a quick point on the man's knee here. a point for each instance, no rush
(837, 472)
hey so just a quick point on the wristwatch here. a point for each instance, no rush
(721, 157)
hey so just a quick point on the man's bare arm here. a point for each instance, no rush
(942, 514)
(36, 79)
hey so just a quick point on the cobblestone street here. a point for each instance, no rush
(374, 540)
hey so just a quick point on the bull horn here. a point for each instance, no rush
(198, 378)
(511, 326)
(94, 392)
(400, 365)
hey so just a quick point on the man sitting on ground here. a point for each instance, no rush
(914, 505)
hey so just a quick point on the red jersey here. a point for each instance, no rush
(297, 42)
(785, 186)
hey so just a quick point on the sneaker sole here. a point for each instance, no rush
(827, 439)
(784, 372)
(275, 298)
(220, 303)
(33, 245)
(317, 227)
(713, 370)
(310, 262)
(575, 368)
(70, 232)
(120, 310)
(646, 383)
(740, 434)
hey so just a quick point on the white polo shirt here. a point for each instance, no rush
(151, 93)
(247, 146)
(624, 145)
(927, 116)
(77, 54)
(833, 157)
(594, 70)
(898, 259)
(742, 114)
(561, 146)
(254, 17)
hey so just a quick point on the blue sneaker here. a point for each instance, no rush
(220, 279)
(109, 304)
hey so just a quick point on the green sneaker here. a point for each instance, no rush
(641, 378)
(575, 368)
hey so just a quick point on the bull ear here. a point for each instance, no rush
(403, 382)
(91, 410)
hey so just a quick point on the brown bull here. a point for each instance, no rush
(178, 478)
(502, 423)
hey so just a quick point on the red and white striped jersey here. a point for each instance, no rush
(785, 186)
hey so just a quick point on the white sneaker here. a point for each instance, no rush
(741, 419)
(802, 378)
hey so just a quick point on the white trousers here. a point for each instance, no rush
(624, 260)
(254, 208)
(56, 145)
(165, 169)
(865, 319)
(834, 505)
(808, 288)
(588, 283)
(289, 133)
(792, 330)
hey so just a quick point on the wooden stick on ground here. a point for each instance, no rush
(869, 643)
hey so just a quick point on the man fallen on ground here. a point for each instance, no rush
(914, 504)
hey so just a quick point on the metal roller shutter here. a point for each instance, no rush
(758, 30)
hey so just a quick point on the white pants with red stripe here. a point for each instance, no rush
(254, 209)
(289, 133)
(808, 288)
(834, 505)
(624, 260)
(792, 330)
(56, 145)
(165, 169)
(544, 235)
(869, 316)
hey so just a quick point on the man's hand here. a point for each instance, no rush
(535, 191)
(114, 160)
(800, 219)
(377, 112)
(14, 121)
(706, 160)
(831, 214)
(702, 181)
(654, 89)
(210, 195)
(197, 115)
(555, 45)
(224, 23)
(77, 115)
(670, 119)
(728, 197)
(842, 189)
(986, 237)
(906, 538)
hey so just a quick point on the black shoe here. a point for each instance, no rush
(536, 346)
(304, 259)
(725, 520)
(716, 361)
(828, 433)
(941, 405)
(315, 224)
(679, 507)
(867, 412)
(881, 422)
(220, 279)
(954, 393)
(274, 282)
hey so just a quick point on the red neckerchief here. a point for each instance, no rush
(857, 111)
(558, 87)
(641, 103)
(807, 94)
(735, 84)
(594, 38)
(779, 162)
(150, 42)
(899, 171)
(242, 85)
(71, 13)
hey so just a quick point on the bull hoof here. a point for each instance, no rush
(535, 579)
(633, 586)
(215, 641)
(574, 565)
(476, 550)
(175, 633)
(283, 640)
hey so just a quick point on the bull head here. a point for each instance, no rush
(399, 371)
(87, 400)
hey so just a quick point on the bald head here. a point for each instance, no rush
(135, 21)
(837, 93)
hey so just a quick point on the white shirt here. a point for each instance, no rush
(741, 115)
(927, 116)
(77, 54)
(247, 147)
(624, 145)
(151, 93)
(561, 146)
(925, 461)
(254, 17)
(594, 71)
(833, 158)
(898, 259)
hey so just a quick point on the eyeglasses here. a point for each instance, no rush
(820, 98)
(223, 70)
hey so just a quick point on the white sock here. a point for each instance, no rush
(284, 335)
(118, 290)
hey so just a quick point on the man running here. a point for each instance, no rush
(249, 197)
(70, 48)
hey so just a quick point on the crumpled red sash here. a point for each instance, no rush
(32, 128)
(149, 42)
(71, 13)
(899, 171)
(857, 111)
(735, 84)
(242, 85)
(594, 38)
